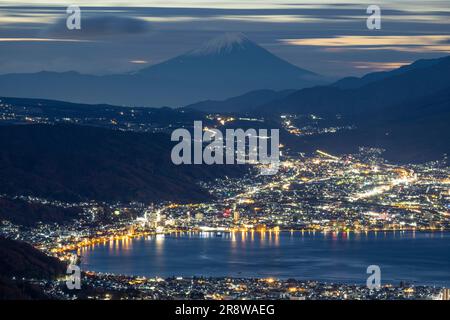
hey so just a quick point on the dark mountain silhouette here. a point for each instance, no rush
(227, 66)
(20, 260)
(354, 82)
(73, 163)
(388, 89)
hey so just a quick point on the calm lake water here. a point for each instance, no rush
(420, 258)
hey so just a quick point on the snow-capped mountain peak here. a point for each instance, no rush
(222, 44)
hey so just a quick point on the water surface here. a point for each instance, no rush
(420, 258)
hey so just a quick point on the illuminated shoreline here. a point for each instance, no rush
(106, 240)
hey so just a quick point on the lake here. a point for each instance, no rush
(413, 257)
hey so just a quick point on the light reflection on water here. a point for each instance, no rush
(340, 257)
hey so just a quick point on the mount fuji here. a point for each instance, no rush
(226, 66)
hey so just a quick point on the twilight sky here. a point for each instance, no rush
(328, 37)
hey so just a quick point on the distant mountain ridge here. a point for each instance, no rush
(227, 66)
(354, 82)
(368, 94)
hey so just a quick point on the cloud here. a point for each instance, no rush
(406, 43)
(340, 41)
(100, 26)
(39, 40)
(139, 61)
(379, 65)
